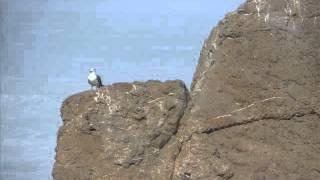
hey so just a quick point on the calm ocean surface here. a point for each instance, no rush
(48, 46)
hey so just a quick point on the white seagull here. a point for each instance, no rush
(94, 79)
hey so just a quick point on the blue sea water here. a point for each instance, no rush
(47, 47)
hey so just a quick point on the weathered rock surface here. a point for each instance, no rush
(122, 131)
(255, 109)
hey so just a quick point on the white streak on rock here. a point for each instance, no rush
(268, 99)
(134, 86)
(157, 99)
(215, 40)
(107, 99)
(241, 109)
(258, 6)
(247, 107)
(208, 64)
(199, 83)
(161, 106)
(223, 116)
(266, 18)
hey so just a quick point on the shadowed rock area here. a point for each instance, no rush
(120, 131)
(254, 111)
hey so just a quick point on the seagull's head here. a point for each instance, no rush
(92, 70)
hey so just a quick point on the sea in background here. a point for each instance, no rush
(47, 47)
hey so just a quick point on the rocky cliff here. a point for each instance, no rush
(254, 111)
(121, 131)
(255, 106)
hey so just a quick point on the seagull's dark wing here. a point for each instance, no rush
(90, 82)
(99, 82)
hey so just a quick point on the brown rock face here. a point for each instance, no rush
(120, 131)
(254, 112)
(255, 105)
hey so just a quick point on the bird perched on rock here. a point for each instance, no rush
(94, 79)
